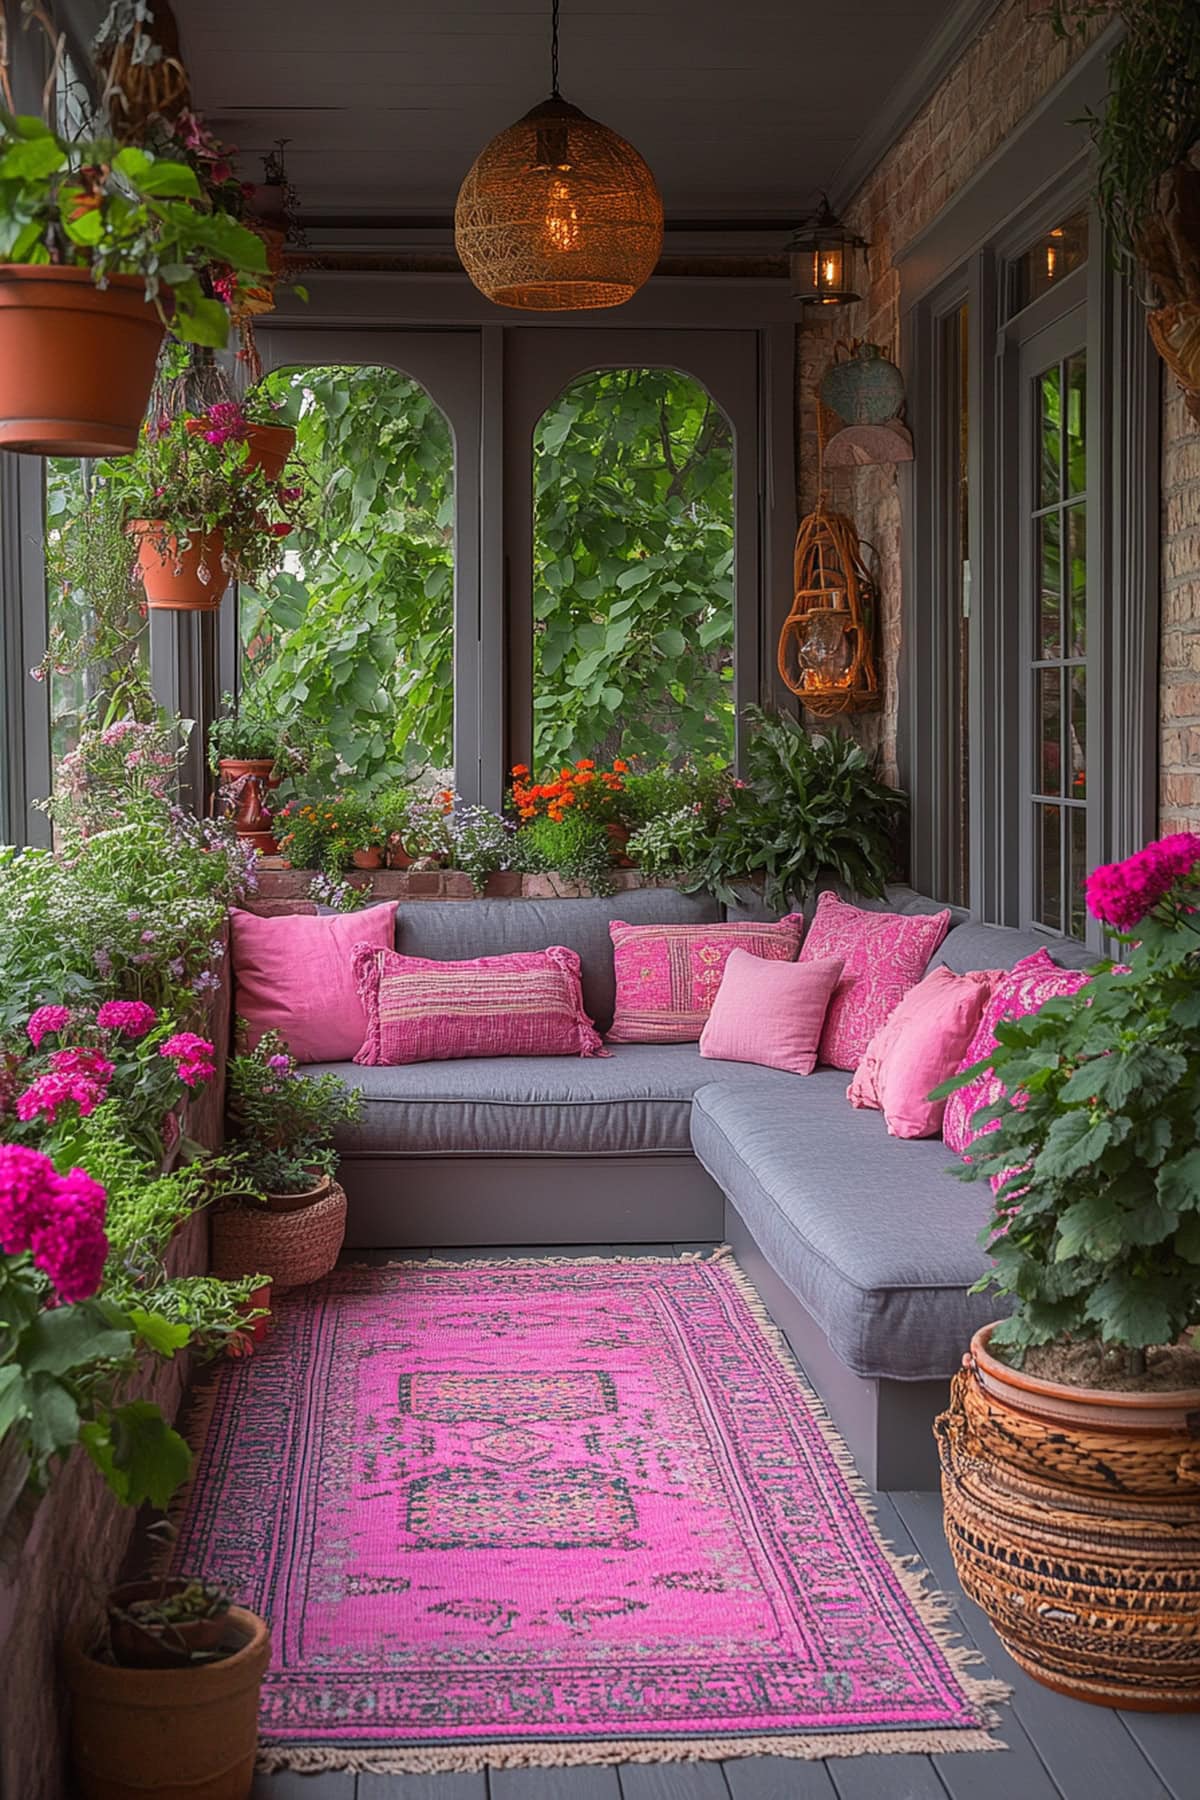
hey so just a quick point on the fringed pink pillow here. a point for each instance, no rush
(1019, 991)
(668, 975)
(882, 956)
(526, 1004)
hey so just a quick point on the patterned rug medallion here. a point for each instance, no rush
(540, 1513)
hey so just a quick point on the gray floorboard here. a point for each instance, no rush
(547, 1784)
(673, 1781)
(332, 1785)
(885, 1778)
(777, 1778)
(421, 1787)
(1171, 1744)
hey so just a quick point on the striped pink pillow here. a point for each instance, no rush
(668, 975)
(526, 1004)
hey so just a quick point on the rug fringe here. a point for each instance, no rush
(534, 1262)
(437, 1759)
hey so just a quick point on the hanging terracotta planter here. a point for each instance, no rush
(76, 361)
(267, 446)
(243, 783)
(188, 579)
(174, 1733)
(1073, 1515)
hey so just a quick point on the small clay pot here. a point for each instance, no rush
(368, 859)
(290, 1203)
(254, 1332)
(267, 446)
(187, 1733)
(397, 855)
(249, 778)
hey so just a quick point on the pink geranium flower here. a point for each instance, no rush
(45, 1020)
(192, 1056)
(1121, 894)
(132, 1018)
(60, 1218)
(47, 1094)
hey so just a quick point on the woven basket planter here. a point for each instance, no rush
(1079, 1537)
(291, 1249)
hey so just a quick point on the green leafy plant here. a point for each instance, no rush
(481, 842)
(574, 846)
(249, 729)
(121, 210)
(675, 844)
(811, 808)
(282, 1122)
(324, 834)
(653, 793)
(1091, 1152)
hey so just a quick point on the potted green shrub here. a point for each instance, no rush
(286, 1218)
(199, 517)
(1071, 1473)
(104, 246)
(166, 1702)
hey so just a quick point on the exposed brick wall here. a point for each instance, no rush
(1015, 61)
(1179, 784)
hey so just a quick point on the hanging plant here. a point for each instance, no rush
(104, 245)
(1147, 180)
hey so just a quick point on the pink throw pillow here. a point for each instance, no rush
(921, 1045)
(769, 1012)
(526, 1004)
(293, 975)
(1021, 990)
(884, 954)
(668, 975)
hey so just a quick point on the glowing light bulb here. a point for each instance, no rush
(562, 217)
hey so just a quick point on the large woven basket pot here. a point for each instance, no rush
(1073, 1516)
(291, 1248)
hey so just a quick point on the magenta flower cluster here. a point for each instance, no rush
(58, 1218)
(45, 1021)
(81, 1076)
(132, 1018)
(226, 423)
(192, 1056)
(1122, 894)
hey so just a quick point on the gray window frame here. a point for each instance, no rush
(966, 251)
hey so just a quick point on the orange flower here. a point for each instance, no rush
(620, 767)
(586, 762)
(520, 769)
(582, 780)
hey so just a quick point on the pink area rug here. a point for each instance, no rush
(560, 1512)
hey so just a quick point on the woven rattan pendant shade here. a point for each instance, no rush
(558, 214)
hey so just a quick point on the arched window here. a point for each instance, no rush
(633, 591)
(357, 633)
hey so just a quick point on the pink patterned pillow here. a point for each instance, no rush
(1021, 990)
(668, 975)
(769, 1013)
(526, 1004)
(921, 1045)
(883, 955)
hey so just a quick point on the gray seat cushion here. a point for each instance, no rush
(635, 1101)
(453, 931)
(876, 1238)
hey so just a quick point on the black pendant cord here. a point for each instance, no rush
(554, 93)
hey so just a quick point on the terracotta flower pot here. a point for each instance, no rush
(76, 361)
(290, 1203)
(244, 781)
(256, 1330)
(192, 579)
(144, 1646)
(397, 855)
(176, 1734)
(618, 838)
(1073, 1515)
(267, 446)
(368, 859)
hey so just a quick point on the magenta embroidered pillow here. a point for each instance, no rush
(1021, 990)
(882, 956)
(668, 975)
(526, 1004)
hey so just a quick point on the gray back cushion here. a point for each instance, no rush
(976, 946)
(454, 930)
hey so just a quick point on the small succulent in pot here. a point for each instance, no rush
(163, 1623)
(282, 1124)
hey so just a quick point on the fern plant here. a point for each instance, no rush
(811, 808)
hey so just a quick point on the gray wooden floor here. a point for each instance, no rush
(1057, 1749)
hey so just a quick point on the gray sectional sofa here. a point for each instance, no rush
(862, 1245)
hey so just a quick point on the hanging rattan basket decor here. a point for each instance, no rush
(827, 645)
(558, 214)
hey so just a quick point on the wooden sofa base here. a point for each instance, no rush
(419, 1201)
(887, 1425)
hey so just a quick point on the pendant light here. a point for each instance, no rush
(823, 253)
(558, 213)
